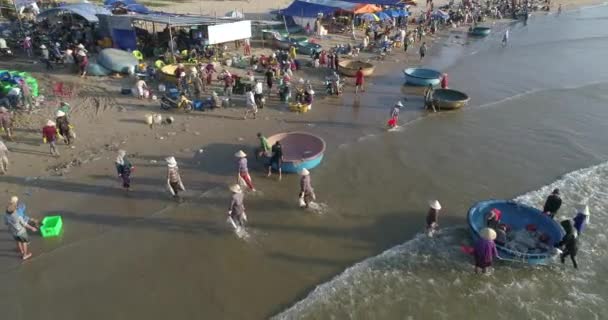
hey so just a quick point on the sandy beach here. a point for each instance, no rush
(138, 254)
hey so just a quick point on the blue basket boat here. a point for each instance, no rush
(480, 31)
(422, 76)
(301, 150)
(517, 217)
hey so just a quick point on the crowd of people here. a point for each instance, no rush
(495, 232)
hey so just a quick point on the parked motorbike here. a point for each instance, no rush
(181, 103)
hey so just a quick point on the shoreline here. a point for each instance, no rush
(210, 173)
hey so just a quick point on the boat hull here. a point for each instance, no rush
(517, 216)
(449, 99)
(349, 68)
(422, 77)
(480, 31)
(301, 150)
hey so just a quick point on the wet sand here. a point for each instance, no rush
(140, 255)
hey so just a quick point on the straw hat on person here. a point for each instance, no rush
(171, 162)
(59, 113)
(435, 205)
(80, 46)
(235, 188)
(240, 154)
(82, 53)
(304, 172)
(488, 234)
(50, 123)
(14, 200)
(399, 104)
(42, 47)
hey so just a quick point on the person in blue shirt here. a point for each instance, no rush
(581, 219)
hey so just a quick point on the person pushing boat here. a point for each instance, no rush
(485, 250)
(569, 243)
(553, 203)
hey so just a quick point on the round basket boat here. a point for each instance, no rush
(168, 72)
(480, 31)
(301, 150)
(350, 67)
(422, 76)
(518, 217)
(448, 99)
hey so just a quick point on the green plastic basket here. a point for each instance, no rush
(51, 226)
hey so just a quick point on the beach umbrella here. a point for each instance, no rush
(383, 16)
(370, 17)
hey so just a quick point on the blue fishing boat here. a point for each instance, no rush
(301, 150)
(480, 31)
(519, 219)
(422, 76)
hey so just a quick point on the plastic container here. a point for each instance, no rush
(51, 226)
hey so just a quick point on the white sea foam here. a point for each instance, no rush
(431, 279)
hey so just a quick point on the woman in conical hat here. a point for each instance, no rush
(174, 179)
(307, 193)
(243, 169)
(236, 211)
(485, 250)
(432, 217)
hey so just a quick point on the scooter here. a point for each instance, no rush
(167, 103)
(6, 52)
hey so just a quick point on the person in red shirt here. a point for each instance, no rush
(444, 81)
(49, 135)
(359, 81)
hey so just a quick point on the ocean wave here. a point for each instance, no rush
(426, 278)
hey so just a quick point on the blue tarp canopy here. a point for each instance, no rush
(378, 2)
(397, 13)
(311, 8)
(123, 2)
(87, 11)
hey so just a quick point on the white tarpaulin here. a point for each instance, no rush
(227, 32)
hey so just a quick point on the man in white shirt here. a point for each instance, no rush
(258, 95)
(250, 103)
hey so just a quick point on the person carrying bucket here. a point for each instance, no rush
(485, 250)
(307, 193)
(236, 211)
(394, 115)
